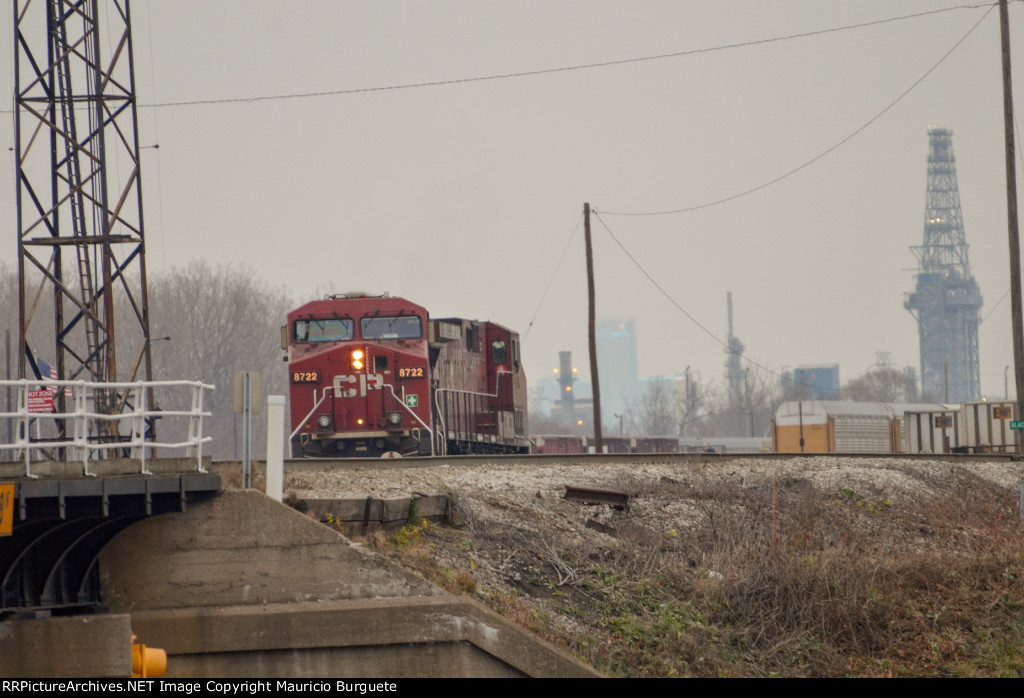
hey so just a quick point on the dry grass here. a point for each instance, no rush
(231, 475)
(762, 578)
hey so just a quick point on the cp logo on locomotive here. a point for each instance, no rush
(372, 381)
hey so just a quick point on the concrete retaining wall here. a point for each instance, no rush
(378, 638)
(360, 516)
(243, 548)
(84, 646)
(245, 586)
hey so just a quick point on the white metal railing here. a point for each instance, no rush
(84, 425)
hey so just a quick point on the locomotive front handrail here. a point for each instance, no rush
(315, 406)
(415, 416)
(319, 402)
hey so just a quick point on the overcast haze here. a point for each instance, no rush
(462, 197)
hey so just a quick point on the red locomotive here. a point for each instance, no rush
(374, 376)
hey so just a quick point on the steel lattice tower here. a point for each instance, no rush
(946, 299)
(79, 194)
(733, 354)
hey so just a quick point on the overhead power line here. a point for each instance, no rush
(827, 151)
(560, 69)
(680, 308)
(554, 274)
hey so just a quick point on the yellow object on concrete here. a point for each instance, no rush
(148, 661)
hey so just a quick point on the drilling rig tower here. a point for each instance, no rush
(946, 299)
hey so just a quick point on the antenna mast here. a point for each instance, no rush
(79, 197)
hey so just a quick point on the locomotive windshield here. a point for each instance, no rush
(400, 327)
(324, 330)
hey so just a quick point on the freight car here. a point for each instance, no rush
(377, 376)
(726, 444)
(974, 427)
(650, 444)
(560, 445)
(549, 445)
(821, 426)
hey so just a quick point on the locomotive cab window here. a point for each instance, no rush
(323, 330)
(398, 327)
(498, 352)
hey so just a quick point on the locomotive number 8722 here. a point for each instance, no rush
(377, 376)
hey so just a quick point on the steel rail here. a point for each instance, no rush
(680, 459)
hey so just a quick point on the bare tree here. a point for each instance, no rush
(750, 412)
(694, 397)
(542, 421)
(685, 406)
(882, 384)
(655, 410)
(206, 323)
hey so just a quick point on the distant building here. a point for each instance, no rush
(569, 399)
(816, 382)
(617, 364)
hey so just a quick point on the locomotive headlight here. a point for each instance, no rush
(394, 418)
(358, 359)
(323, 421)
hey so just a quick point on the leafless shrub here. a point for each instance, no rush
(750, 575)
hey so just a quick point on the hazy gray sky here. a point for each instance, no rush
(462, 197)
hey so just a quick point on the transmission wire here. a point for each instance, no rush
(553, 275)
(692, 319)
(563, 69)
(820, 155)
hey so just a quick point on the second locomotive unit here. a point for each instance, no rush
(377, 376)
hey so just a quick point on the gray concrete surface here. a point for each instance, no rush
(81, 646)
(242, 548)
(423, 636)
(245, 586)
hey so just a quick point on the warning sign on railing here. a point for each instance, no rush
(40, 401)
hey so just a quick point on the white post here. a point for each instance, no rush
(246, 430)
(275, 447)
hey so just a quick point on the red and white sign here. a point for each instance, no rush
(40, 401)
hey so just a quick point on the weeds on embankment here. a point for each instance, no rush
(770, 578)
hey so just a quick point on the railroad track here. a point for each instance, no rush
(314, 464)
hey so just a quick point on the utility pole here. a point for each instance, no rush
(1011, 214)
(595, 385)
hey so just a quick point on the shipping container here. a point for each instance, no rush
(986, 427)
(824, 426)
(933, 431)
(559, 444)
(844, 427)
